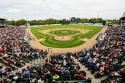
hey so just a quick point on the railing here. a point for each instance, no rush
(74, 81)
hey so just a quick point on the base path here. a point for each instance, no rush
(34, 42)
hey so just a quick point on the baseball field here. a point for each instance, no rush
(64, 36)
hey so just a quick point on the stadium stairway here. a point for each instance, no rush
(97, 80)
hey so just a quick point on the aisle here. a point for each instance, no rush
(88, 73)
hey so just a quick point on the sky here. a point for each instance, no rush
(59, 9)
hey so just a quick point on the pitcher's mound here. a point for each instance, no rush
(63, 38)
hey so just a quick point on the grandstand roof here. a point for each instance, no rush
(123, 16)
(2, 19)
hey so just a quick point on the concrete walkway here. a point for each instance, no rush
(88, 73)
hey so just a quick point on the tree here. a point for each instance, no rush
(21, 22)
(92, 20)
(78, 20)
(12, 22)
(104, 22)
(64, 21)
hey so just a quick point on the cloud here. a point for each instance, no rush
(43, 9)
(12, 10)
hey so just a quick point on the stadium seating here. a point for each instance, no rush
(106, 58)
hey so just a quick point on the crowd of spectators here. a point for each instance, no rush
(15, 51)
(106, 57)
(14, 47)
(63, 67)
(31, 74)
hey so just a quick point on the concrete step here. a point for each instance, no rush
(97, 80)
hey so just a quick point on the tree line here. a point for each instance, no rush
(62, 21)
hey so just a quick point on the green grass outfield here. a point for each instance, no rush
(50, 40)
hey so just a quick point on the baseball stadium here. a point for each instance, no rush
(59, 41)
